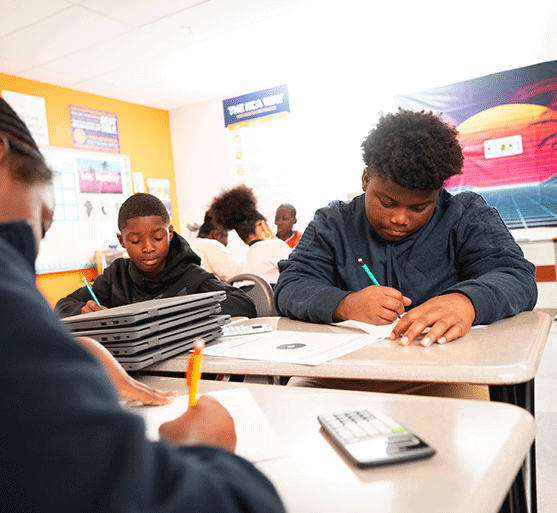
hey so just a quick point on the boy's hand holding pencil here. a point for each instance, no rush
(206, 421)
(374, 304)
(93, 305)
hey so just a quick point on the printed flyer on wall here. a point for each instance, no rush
(94, 130)
(160, 187)
(260, 145)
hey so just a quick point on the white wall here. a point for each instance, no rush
(343, 63)
(199, 151)
(538, 247)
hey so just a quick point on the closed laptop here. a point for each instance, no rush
(138, 312)
(149, 327)
(185, 331)
(157, 354)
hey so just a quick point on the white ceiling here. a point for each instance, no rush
(159, 53)
(170, 53)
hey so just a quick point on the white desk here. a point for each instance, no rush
(480, 447)
(504, 355)
(506, 352)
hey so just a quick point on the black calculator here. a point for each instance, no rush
(371, 438)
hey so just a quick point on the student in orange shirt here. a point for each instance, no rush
(285, 219)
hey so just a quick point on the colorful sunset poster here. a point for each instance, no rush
(507, 125)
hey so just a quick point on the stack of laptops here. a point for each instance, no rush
(141, 334)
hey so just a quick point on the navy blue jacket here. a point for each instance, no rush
(464, 247)
(122, 283)
(65, 442)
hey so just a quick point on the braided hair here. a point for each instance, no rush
(24, 159)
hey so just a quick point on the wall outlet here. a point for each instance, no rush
(503, 147)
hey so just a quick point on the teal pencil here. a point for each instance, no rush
(368, 272)
(91, 291)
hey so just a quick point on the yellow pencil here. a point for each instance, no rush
(194, 370)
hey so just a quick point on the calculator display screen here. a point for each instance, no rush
(380, 450)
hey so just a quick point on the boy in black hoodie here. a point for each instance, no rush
(161, 264)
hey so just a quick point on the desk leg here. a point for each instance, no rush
(523, 494)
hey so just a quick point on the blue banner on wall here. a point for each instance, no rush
(256, 105)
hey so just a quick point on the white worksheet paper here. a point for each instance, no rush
(291, 346)
(257, 440)
(381, 332)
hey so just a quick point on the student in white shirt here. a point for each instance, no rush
(236, 209)
(264, 251)
(210, 245)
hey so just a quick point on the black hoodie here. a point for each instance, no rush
(123, 283)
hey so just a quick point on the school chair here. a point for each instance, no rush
(261, 293)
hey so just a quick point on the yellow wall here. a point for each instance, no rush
(144, 135)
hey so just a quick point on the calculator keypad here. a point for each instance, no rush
(358, 425)
(371, 439)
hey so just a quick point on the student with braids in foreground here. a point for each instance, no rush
(67, 444)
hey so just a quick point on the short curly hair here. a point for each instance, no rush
(141, 204)
(415, 150)
(236, 209)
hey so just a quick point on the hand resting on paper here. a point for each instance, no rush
(131, 390)
(449, 316)
(207, 423)
(127, 388)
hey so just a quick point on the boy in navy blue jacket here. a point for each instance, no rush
(67, 445)
(448, 261)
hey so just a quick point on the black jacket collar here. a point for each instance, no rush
(20, 235)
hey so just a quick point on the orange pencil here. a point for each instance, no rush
(194, 370)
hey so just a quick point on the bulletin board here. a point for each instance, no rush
(89, 188)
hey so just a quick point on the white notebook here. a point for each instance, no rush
(257, 440)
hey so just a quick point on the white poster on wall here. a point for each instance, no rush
(138, 182)
(259, 146)
(32, 110)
